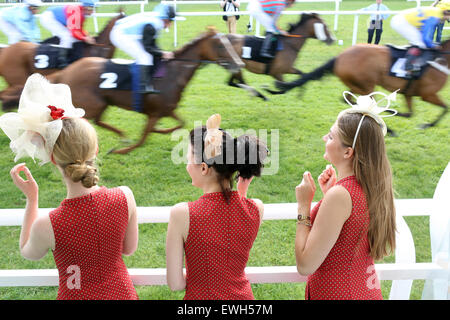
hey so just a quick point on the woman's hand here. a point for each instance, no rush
(242, 186)
(327, 179)
(304, 192)
(29, 187)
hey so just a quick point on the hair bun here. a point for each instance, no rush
(250, 155)
(83, 172)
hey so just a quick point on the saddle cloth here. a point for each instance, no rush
(46, 56)
(252, 48)
(117, 74)
(398, 60)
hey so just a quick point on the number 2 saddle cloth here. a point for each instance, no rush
(117, 74)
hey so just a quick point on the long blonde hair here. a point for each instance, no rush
(373, 171)
(75, 151)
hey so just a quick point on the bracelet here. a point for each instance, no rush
(305, 220)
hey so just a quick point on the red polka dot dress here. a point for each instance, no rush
(218, 246)
(89, 233)
(347, 273)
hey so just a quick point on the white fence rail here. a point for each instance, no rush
(402, 272)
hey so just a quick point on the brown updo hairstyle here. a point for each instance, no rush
(243, 155)
(75, 151)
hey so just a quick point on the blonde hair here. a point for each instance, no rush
(373, 171)
(75, 151)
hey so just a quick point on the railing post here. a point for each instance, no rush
(355, 29)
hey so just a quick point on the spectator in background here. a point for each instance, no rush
(440, 26)
(19, 22)
(376, 20)
(230, 6)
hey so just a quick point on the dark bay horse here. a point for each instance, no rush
(363, 66)
(17, 60)
(83, 77)
(310, 25)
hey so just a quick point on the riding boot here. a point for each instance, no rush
(62, 58)
(412, 62)
(265, 49)
(140, 85)
(146, 80)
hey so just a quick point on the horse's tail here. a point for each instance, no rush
(313, 75)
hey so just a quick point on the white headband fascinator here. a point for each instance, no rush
(36, 125)
(368, 106)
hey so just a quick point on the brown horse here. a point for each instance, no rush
(17, 60)
(372, 68)
(83, 77)
(284, 60)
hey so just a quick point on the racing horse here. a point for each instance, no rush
(310, 25)
(373, 64)
(83, 77)
(17, 61)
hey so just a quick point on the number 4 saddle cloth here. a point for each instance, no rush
(117, 74)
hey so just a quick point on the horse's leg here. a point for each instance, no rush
(408, 100)
(240, 83)
(169, 130)
(151, 122)
(278, 77)
(434, 99)
(99, 122)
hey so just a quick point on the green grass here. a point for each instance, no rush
(418, 157)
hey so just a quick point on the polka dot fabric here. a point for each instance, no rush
(89, 233)
(218, 246)
(347, 273)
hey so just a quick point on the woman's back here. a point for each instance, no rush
(217, 248)
(89, 233)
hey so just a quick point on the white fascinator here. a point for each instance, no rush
(35, 127)
(368, 106)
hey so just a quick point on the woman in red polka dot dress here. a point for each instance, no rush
(93, 226)
(217, 231)
(354, 224)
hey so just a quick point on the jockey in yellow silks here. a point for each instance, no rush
(417, 25)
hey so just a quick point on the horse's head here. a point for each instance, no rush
(311, 25)
(217, 47)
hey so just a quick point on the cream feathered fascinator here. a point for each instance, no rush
(368, 106)
(36, 125)
(214, 137)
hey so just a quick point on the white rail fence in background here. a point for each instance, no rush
(402, 272)
(182, 15)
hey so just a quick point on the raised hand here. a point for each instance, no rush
(242, 186)
(304, 192)
(29, 187)
(327, 179)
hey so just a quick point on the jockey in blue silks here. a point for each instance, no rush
(19, 22)
(136, 35)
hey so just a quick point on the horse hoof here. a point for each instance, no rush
(111, 151)
(392, 134)
(125, 141)
(425, 126)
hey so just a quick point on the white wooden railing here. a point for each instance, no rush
(402, 272)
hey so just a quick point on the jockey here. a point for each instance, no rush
(136, 35)
(417, 25)
(267, 12)
(19, 22)
(66, 22)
